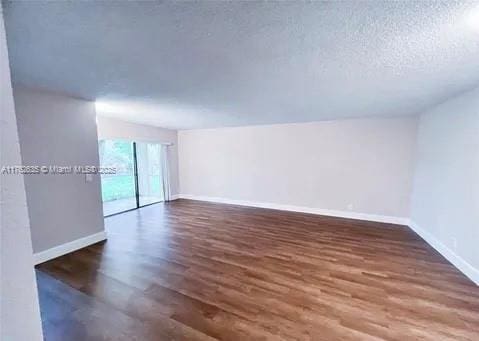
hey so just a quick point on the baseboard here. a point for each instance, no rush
(462, 265)
(63, 249)
(174, 197)
(301, 209)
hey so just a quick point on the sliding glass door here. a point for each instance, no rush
(138, 180)
(150, 184)
(118, 190)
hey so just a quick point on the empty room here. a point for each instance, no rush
(239, 170)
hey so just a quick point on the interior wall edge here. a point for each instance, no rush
(63, 249)
(460, 263)
(302, 209)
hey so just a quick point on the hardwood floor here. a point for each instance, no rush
(189, 270)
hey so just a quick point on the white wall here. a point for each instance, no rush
(19, 311)
(445, 201)
(59, 130)
(110, 128)
(362, 165)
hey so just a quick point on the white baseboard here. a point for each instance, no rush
(301, 209)
(63, 249)
(175, 197)
(462, 265)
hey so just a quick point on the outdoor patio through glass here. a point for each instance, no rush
(138, 179)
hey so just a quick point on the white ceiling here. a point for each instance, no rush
(210, 64)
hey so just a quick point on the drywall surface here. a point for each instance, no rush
(19, 311)
(445, 200)
(110, 128)
(361, 165)
(57, 130)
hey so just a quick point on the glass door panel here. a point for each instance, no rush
(150, 183)
(118, 190)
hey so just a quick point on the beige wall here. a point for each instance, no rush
(362, 165)
(59, 130)
(110, 128)
(445, 201)
(19, 311)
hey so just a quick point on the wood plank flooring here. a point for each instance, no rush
(190, 270)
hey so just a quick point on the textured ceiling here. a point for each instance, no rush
(210, 64)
